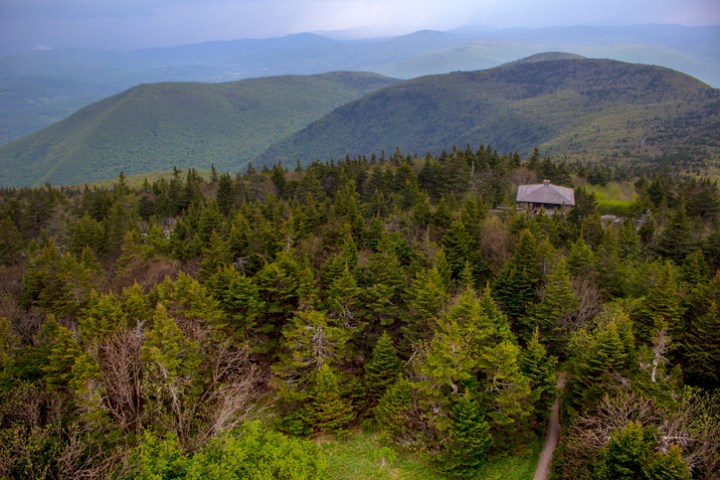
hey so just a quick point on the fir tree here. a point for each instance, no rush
(625, 455)
(329, 411)
(669, 466)
(676, 241)
(469, 439)
(516, 284)
(539, 367)
(552, 314)
(382, 370)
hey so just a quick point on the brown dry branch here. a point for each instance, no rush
(119, 360)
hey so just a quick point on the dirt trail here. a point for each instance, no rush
(551, 436)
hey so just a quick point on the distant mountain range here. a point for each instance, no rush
(564, 104)
(39, 88)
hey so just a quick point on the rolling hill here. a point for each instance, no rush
(565, 105)
(158, 126)
(41, 87)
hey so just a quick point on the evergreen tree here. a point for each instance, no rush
(702, 347)
(216, 255)
(516, 284)
(469, 439)
(239, 298)
(427, 296)
(553, 314)
(669, 466)
(661, 307)
(624, 456)
(64, 350)
(580, 259)
(329, 411)
(102, 315)
(676, 241)
(391, 414)
(539, 367)
(382, 370)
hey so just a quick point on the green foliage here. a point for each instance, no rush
(539, 367)
(330, 412)
(381, 370)
(553, 314)
(251, 452)
(469, 439)
(319, 299)
(102, 315)
(515, 287)
(629, 455)
(570, 106)
(126, 129)
(63, 352)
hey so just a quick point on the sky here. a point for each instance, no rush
(134, 24)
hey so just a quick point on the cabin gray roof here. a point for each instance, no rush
(545, 193)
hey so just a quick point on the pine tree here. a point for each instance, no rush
(469, 439)
(64, 350)
(310, 340)
(343, 299)
(216, 255)
(702, 347)
(391, 414)
(580, 259)
(381, 371)
(239, 299)
(87, 387)
(516, 284)
(329, 411)
(102, 315)
(427, 296)
(539, 367)
(552, 314)
(676, 241)
(661, 307)
(11, 241)
(625, 455)
(669, 466)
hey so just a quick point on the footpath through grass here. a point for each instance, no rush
(364, 456)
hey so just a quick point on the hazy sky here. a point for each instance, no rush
(131, 24)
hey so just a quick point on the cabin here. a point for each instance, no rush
(545, 195)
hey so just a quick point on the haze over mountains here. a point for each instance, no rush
(41, 87)
(567, 105)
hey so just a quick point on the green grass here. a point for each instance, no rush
(615, 197)
(137, 180)
(364, 456)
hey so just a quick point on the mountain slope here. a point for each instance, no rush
(158, 126)
(40, 87)
(582, 108)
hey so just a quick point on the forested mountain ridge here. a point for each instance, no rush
(158, 126)
(255, 325)
(582, 109)
(45, 86)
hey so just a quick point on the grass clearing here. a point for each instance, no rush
(615, 197)
(363, 455)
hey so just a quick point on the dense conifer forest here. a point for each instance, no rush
(234, 326)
